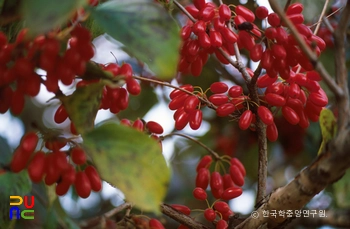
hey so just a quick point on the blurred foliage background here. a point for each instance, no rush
(294, 149)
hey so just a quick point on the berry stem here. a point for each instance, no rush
(213, 153)
(321, 17)
(184, 11)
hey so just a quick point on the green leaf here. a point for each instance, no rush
(329, 127)
(43, 15)
(82, 106)
(131, 161)
(147, 31)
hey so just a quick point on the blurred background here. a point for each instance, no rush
(294, 149)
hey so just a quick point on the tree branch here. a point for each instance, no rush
(340, 68)
(338, 92)
(181, 218)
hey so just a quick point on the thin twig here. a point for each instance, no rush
(321, 17)
(287, 5)
(212, 152)
(94, 221)
(307, 51)
(181, 218)
(184, 11)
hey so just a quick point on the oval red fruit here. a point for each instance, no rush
(94, 178)
(154, 127)
(245, 120)
(225, 109)
(209, 214)
(196, 118)
(199, 194)
(231, 193)
(36, 167)
(290, 115)
(29, 142)
(82, 185)
(236, 175)
(265, 115)
(272, 132)
(205, 162)
(202, 178)
(78, 156)
(182, 208)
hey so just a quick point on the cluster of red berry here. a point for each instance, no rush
(187, 108)
(223, 188)
(209, 33)
(290, 81)
(115, 98)
(54, 166)
(20, 59)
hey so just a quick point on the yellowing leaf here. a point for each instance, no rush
(328, 125)
(82, 106)
(131, 161)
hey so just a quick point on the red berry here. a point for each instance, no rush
(154, 127)
(155, 224)
(52, 173)
(202, 178)
(36, 167)
(231, 193)
(218, 99)
(228, 35)
(205, 162)
(209, 214)
(245, 119)
(261, 12)
(265, 115)
(295, 8)
(182, 120)
(62, 188)
(29, 142)
(195, 119)
(82, 185)
(186, 32)
(61, 114)
(245, 12)
(228, 183)
(207, 13)
(274, 20)
(197, 66)
(191, 103)
(17, 102)
(94, 178)
(272, 132)
(225, 109)
(221, 207)
(238, 163)
(68, 176)
(275, 99)
(133, 86)
(224, 12)
(318, 98)
(60, 161)
(199, 194)
(178, 102)
(19, 160)
(215, 38)
(235, 91)
(138, 125)
(236, 175)
(256, 52)
(78, 156)
(216, 181)
(182, 208)
(126, 70)
(221, 224)
(199, 27)
(290, 115)
(192, 10)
